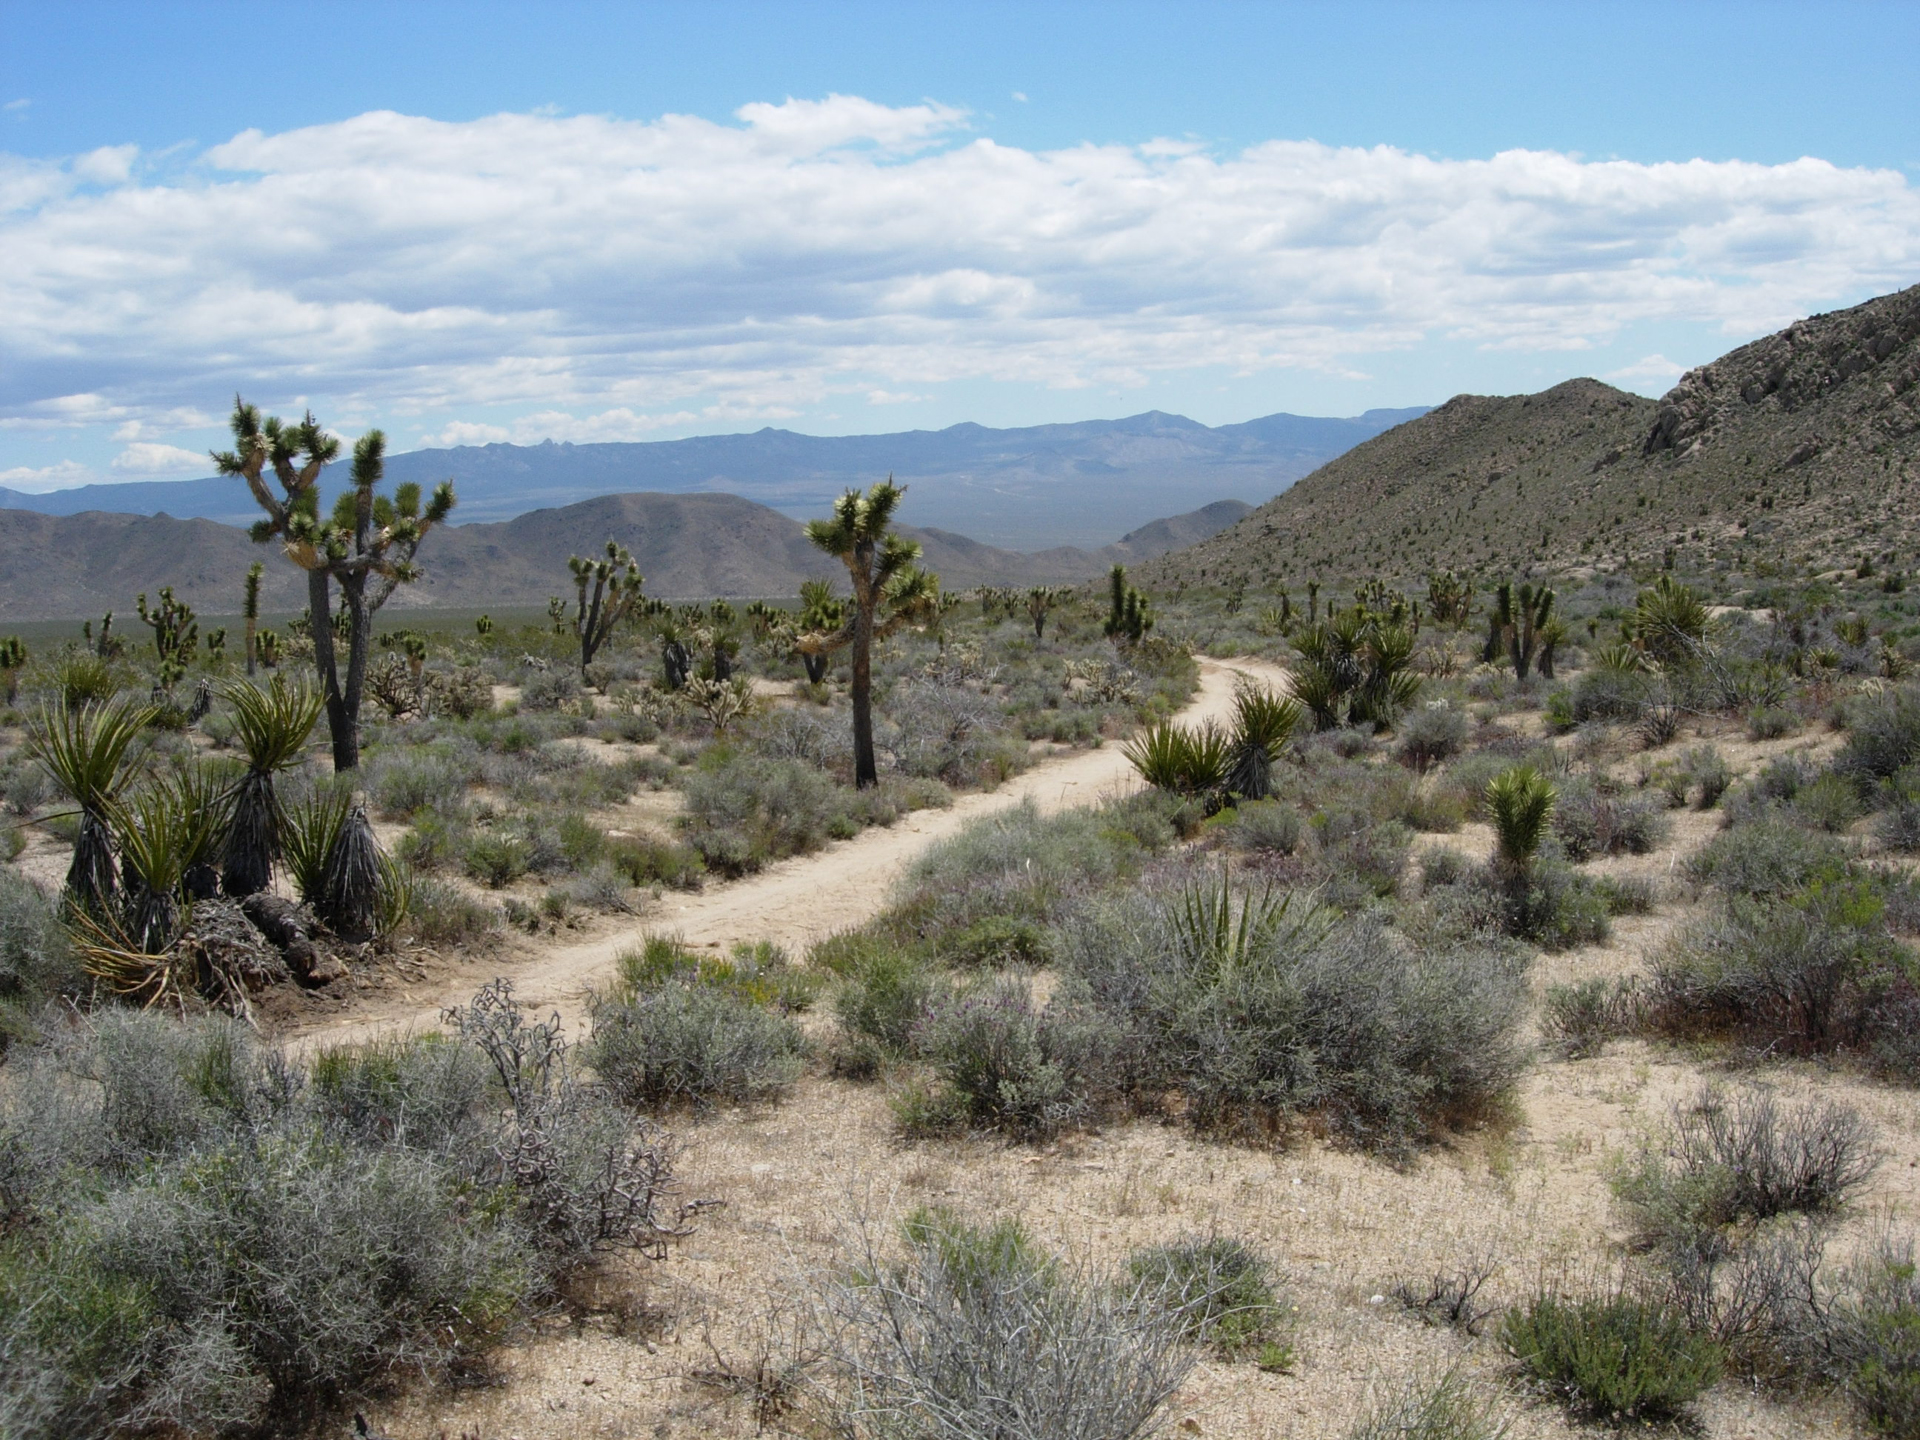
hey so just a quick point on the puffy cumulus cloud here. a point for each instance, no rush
(613, 277)
(1652, 373)
(147, 457)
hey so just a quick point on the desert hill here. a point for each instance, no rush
(1026, 488)
(687, 546)
(1804, 444)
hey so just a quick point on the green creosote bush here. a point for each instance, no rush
(1767, 857)
(1883, 736)
(1726, 1159)
(977, 1332)
(1615, 1357)
(884, 995)
(1219, 1287)
(1769, 722)
(1813, 973)
(1829, 802)
(497, 858)
(1590, 822)
(743, 811)
(682, 1029)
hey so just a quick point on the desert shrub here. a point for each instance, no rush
(1219, 1288)
(645, 861)
(1268, 825)
(1019, 865)
(884, 996)
(549, 690)
(1616, 1357)
(1768, 857)
(1627, 894)
(1870, 1338)
(1813, 973)
(1583, 1016)
(1552, 905)
(1590, 822)
(1442, 865)
(1898, 824)
(443, 915)
(1008, 1064)
(1356, 858)
(975, 1332)
(1828, 802)
(1261, 1010)
(498, 857)
(1603, 693)
(35, 961)
(1770, 722)
(1452, 1296)
(952, 733)
(207, 1238)
(1707, 770)
(680, 1041)
(744, 811)
(433, 842)
(1728, 1159)
(405, 782)
(1446, 1408)
(1883, 736)
(995, 942)
(1432, 733)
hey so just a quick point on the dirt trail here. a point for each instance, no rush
(792, 903)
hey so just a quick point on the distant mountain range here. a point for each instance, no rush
(1801, 446)
(58, 567)
(1033, 488)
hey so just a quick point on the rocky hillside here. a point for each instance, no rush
(1803, 447)
(688, 546)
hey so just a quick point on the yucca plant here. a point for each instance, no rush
(1186, 762)
(350, 882)
(86, 680)
(157, 836)
(1670, 622)
(1520, 802)
(91, 754)
(1218, 932)
(309, 828)
(272, 725)
(1263, 723)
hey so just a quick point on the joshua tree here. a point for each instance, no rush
(723, 639)
(175, 633)
(615, 582)
(1129, 616)
(108, 646)
(267, 643)
(483, 627)
(1528, 614)
(1449, 598)
(821, 613)
(91, 754)
(13, 659)
(271, 726)
(1040, 602)
(890, 592)
(1354, 669)
(366, 546)
(250, 608)
(674, 628)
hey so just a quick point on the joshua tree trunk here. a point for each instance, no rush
(340, 718)
(865, 771)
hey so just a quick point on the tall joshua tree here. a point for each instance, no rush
(615, 585)
(890, 592)
(366, 546)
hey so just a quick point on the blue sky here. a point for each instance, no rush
(484, 222)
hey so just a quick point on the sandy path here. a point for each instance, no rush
(794, 902)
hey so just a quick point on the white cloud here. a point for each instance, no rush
(63, 476)
(145, 457)
(613, 278)
(16, 107)
(464, 432)
(888, 397)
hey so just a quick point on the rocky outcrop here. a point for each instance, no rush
(1866, 359)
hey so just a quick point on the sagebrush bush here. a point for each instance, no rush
(204, 1237)
(1590, 822)
(1446, 1408)
(36, 963)
(442, 915)
(977, 1332)
(1767, 857)
(1883, 736)
(681, 1041)
(1008, 1064)
(1263, 1014)
(1267, 825)
(1615, 1357)
(744, 811)
(1432, 733)
(1583, 1016)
